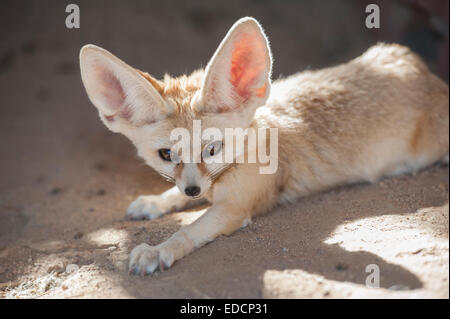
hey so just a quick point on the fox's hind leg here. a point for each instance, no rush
(153, 206)
(429, 140)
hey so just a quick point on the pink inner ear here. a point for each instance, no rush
(110, 88)
(248, 63)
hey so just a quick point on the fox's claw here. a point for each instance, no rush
(145, 260)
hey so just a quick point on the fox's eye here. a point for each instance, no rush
(212, 149)
(164, 153)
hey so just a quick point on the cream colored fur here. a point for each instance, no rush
(383, 113)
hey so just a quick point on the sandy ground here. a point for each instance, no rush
(74, 244)
(66, 183)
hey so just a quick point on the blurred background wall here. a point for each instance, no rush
(178, 36)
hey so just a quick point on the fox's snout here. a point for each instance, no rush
(192, 190)
(192, 179)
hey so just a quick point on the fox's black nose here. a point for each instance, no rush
(192, 190)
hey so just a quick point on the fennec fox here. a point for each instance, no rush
(380, 114)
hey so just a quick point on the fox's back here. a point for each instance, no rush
(381, 112)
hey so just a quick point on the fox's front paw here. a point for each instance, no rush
(145, 259)
(145, 207)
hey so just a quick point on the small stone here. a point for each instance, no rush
(72, 268)
(101, 192)
(78, 235)
(55, 190)
(58, 269)
(341, 267)
(100, 166)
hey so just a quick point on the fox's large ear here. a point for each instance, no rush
(120, 93)
(238, 75)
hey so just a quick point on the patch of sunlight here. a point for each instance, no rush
(391, 236)
(85, 282)
(107, 236)
(90, 282)
(417, 242)
(56, 276)
(297, 283)
(33, 288)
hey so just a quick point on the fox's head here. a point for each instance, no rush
(226, 94)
